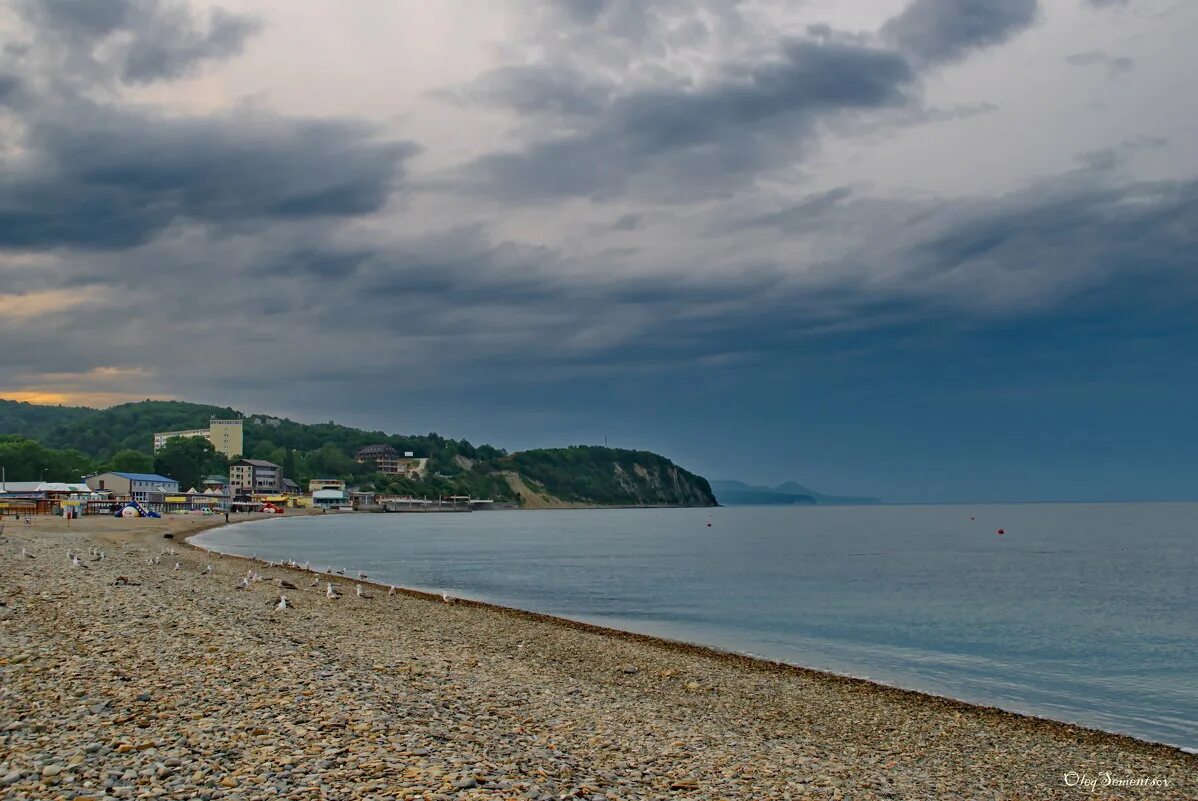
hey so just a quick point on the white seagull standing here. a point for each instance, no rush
(177, 565)
(206, 570)
(282, 602)
(329, 593)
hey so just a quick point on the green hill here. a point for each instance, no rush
(74, 440)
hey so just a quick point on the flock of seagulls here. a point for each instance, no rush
(250, 578)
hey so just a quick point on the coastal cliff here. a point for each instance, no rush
(596, 476)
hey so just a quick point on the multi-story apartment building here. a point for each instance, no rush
(387, 460)
(227, 436)
(255, 475)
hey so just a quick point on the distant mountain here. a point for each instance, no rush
(738, 493)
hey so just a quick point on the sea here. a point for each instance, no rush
(1086, 614)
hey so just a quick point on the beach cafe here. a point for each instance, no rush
(22, 498)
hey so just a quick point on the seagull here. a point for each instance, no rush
(27, 555)
(283, 603)
(360, 593)
(330, 593)
(306, 566)
(177, 565)
(315, 582)
(446, 597)
(361, 575)
(206, 570)
(392, 590)
(244, 585)
(75, 561)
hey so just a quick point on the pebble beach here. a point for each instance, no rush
(164, 671)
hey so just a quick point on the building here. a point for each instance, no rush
(387, 460)
(138, 486)
(53, 490)
(325, 483)
(214, 482)
(290, 487)
(330, 499)
(255, 476)
(385, 457)
(227, 436)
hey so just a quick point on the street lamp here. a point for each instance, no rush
(44, 469)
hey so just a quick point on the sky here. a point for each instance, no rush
(926, 250)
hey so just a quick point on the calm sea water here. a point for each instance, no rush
(1082, 613)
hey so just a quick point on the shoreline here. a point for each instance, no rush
(178, 683)
(745, 661)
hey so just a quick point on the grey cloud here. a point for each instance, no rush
(1115, 65)
(938, 31)
(583, 11)
(534, 89)
(108, 178)
(137, 41)
(10, 89)
(82, 19)
(174, 49)
(710, 137)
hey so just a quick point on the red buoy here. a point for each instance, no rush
(1000, 531)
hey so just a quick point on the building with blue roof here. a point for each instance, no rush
(138, 486)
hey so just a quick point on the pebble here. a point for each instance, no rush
(180, 687)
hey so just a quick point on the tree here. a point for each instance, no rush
(131, 461)
(188, 460)
(288, 464)
(28, 460)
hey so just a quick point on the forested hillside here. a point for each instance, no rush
(69, 441)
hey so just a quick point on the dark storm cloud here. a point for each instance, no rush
(140, 40)
(110, 178)
(674, 140)
(936, 31)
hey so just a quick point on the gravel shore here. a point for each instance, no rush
(126, 677)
